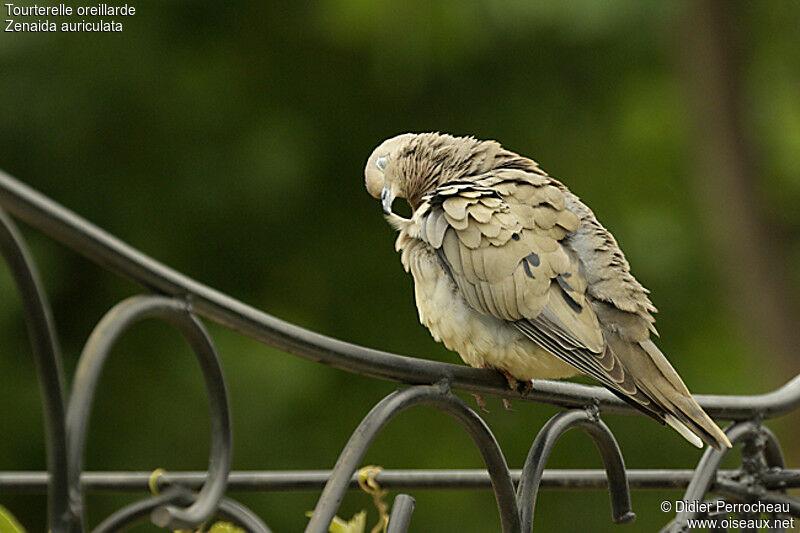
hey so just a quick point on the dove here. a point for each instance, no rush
(514, 273)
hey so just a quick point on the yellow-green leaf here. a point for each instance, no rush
(225, 527)
(9, 524)
(357, 524)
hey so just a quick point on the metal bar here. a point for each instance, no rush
(742, 492)
(705, 474)
(706, 471)
(402, 508)
(135, 512)
(313, 480)
(781, 479)
(546, 439)
(138, 511)
(92, 242)
(773, 454)
(47, 357)
(87, 375)
(441, 398)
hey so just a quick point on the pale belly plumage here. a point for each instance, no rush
(481, 340)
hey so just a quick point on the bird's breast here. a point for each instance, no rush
(481, 340)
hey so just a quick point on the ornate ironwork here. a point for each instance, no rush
(180, 301)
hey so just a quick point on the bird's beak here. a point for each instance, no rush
(387, 198)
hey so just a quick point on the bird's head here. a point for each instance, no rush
(384, 176)
(412, 165)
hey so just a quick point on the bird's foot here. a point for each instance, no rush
(523, 387)
(481, 402)
(513, 384)
(527, 388)
(512, 381)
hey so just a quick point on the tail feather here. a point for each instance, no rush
(685, 432)
(691, 415)
(658, 381)
(679, 402)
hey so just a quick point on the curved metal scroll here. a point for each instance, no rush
(138, 511)
(706, 471)
(588, 421)
(48, 366)
(94, 355)
(441, 398)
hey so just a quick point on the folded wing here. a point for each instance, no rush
(500, 236)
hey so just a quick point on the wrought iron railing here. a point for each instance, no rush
(189, 499)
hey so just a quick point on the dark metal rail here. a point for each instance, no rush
(314, 480)
(92, 242)
(180, 300)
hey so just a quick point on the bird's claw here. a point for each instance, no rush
(481, 402)
(512, 381)
(523, 387)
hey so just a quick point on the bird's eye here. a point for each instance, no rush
(381, 163)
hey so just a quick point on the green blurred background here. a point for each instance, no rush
(228, 141)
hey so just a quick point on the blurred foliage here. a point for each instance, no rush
(228, 141)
